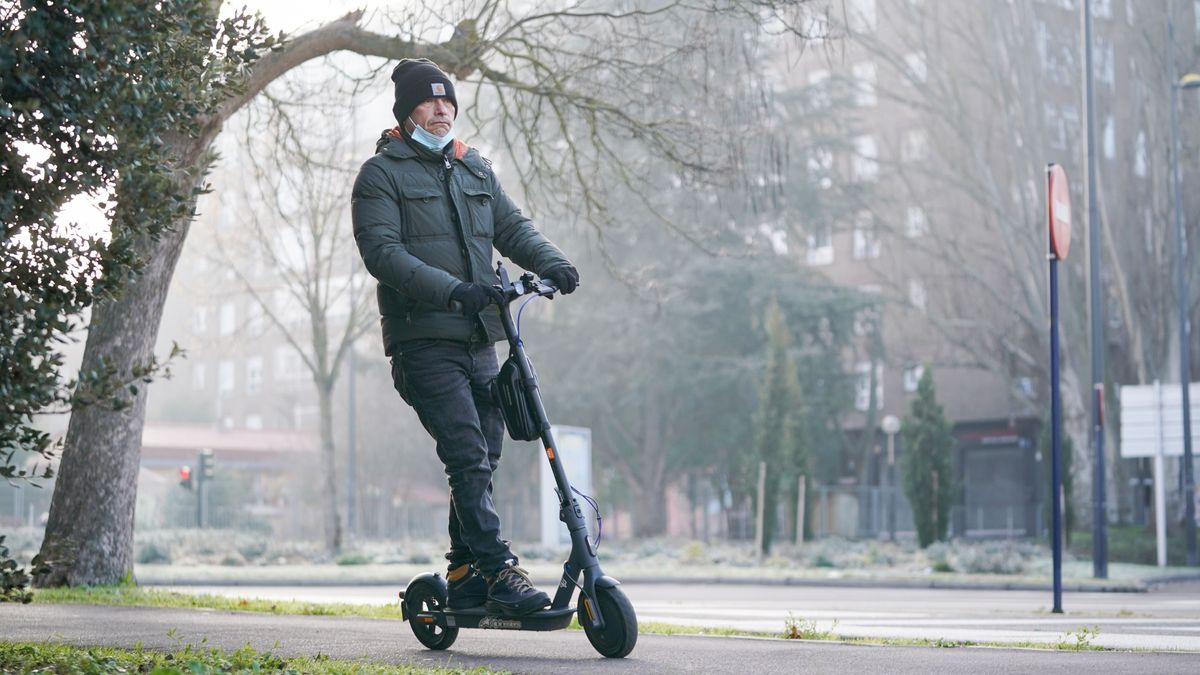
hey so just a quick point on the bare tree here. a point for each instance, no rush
(293, 219)
(997, 91)
(586, 67)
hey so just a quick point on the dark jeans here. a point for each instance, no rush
(448, 383)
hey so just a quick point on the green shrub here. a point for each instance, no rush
(353, 559)
(153, 552)
(693, 554)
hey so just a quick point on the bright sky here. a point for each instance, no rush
(291, 16)
(286, 15)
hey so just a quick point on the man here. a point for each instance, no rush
(427, 212)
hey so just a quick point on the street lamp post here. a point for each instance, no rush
(890, 426)
(1096, 314)
(1188, 81)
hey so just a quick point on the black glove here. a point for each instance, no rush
(565, 277)
(474, 297)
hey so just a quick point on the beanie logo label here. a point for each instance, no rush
(439, 89)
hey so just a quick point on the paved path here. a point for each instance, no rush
(390, 641)
(1167, 618)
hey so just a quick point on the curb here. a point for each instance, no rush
(1135, 586)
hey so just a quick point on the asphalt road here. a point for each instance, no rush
(391, 642)
(1164, 619)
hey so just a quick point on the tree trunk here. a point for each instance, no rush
(333, 520)
(89, 535)
(651, 517)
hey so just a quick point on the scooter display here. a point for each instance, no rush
(604, 612)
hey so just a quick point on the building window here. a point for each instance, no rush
(865, 320)
(820, 246)
(820, 167)
(227, 319)
(866, 239)
(289, 365)
(1070, 120)
(1104, 60)
(1102, 9)
(254, 374)
(225, 377)
(916, 293)
(1139, 155)
(916, 224)
(866, 165)
(914, 146)
(864, 85)
(198, 371)
(199, 320)
(1024, 386)
(862, 386)
(1055, 128)
(861, 15)
(915, 62)
(912, 377)
(1110, 138)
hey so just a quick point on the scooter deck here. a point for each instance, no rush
(546, 619)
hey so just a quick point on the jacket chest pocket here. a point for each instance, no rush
(479, 205)
(425, 212)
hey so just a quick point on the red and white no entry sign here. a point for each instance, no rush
(1058, 210)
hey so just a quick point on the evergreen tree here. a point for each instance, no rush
(1068, 451)
(778, 419)
(926, 464)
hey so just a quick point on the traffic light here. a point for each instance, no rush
(185, 477)
(206, 464)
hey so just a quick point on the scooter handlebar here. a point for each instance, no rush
(527, 284)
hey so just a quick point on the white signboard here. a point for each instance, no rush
(575, 451)
(1149, 419)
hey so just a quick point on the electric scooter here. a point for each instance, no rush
(604, 612)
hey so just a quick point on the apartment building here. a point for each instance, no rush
(950, 112)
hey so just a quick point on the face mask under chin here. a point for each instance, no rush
(429, 140)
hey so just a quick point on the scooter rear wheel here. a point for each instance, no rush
(423, 597)
(619, 634)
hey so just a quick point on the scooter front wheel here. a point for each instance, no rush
(424, 598)
(619, 634)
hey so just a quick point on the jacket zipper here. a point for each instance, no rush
(448, 165)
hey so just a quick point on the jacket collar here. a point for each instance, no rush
(392, 143)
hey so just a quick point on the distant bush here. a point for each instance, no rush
(693, 554)
(996, 557)
(152, 552)
(353, 559)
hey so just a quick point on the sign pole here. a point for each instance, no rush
(1160, 490)
(1058, 217)
(1055, 447)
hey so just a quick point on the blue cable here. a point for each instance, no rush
(521, 310)
(595, 509)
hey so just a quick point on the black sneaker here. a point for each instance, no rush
(466, 587)
(511, 593)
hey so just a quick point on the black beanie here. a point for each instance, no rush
(417, 80)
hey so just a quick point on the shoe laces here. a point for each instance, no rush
(517, 578)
